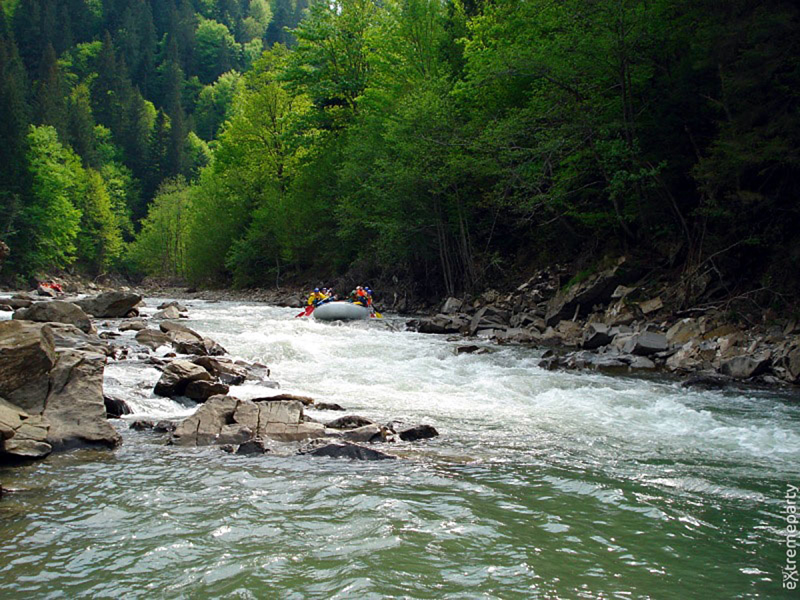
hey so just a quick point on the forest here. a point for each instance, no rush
(443, 145)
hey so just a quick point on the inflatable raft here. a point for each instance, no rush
(340, 311)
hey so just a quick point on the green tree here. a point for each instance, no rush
(49, 221)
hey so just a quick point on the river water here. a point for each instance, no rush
(541, 485)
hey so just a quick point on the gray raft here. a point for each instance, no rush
(340, 311)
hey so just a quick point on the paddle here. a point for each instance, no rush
(306, 311)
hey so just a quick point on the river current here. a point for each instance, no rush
(542, 484)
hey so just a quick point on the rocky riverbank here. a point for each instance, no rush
(53, 352)
(610, 321)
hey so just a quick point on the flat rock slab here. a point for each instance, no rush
(348, 450)
(110, 304)
(56, 311)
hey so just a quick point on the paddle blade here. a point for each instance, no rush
(306, 312)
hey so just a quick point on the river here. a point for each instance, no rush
(541, 485)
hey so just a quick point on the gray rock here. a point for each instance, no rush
(152, 338)
(451, 305)
(177, 375)
(225, 419)
(223, 369)
(745, 367)
(56, 311)
(75, 407)
(349, 422)
(168, 313)
(645, 343)
(304, 400)
(595, 336)
(368, 433)
(254, 447)
(417, 432)
(180, 307)
(69, 337)
(173, 327)
(133, 325)
(27, 354)
(115, 407)
(22, 436)
(328, 406)
(200, 390)
(111, 304)
(348, 450)
(683, 331)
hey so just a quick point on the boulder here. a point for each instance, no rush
(223, 369)
(791, 363)
(75, 407)
(707, 381)
(328, 406)
(152, 338)
(46, 291)
(115, 407)
(651, 306)
(441, 324)
(168, 313)
(56, 311)
(172, 326)
(348, 450)
(180, 307)
(228, 420)
(177, 375)
(201, 390)
(683, 331)
(253, 447)
(595, 336)
(111, 304)
(27, 354)
(451, 305)
(133, 325)
(416, 432)
(645, 343)
(368, 433)
(349, 422)
(16, 303)
(745, 367)
(203, 347)
(304, 400)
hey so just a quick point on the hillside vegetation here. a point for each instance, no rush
(444, 145)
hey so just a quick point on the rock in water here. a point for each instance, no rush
(201, 390)
(152, 338)
(110, 304)
(75, 407)
(177, 375)
(745, 367)
(56, 311)
(116, 407)
(349, 422)
(168, 313)
(348, 450)
(417, 432)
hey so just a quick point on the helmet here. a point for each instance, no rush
(316, 289)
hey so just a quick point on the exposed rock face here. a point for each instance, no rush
(645, 343)
(177, 375)
(451, 305)
(27, 353)
(228, 420)
(683, 331)
(348, 450)
(56, 311)
(152, 338)
(110, 304)
(75, 407)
